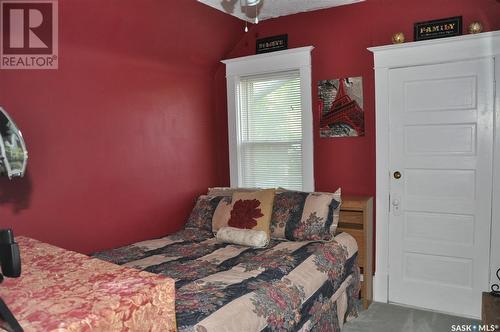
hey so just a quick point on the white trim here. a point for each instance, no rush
(437, 50)
(414, 54)
(293, 59)
(495, 225)
(381, 281)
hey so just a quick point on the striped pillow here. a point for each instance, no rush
(228, 191)
(203, 211)
(302, 216)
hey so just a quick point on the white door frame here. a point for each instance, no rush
(414, 54)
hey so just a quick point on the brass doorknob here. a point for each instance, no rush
(397, 175)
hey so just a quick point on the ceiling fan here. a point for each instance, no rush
(250, 8)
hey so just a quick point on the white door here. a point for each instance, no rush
(441, 142)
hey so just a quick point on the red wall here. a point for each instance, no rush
(121, 136)
(133, 125)
(340, 37)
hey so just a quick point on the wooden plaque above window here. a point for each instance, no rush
(271, 44)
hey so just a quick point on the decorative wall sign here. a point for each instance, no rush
(271, 44)
(341, 107)
(445, 27)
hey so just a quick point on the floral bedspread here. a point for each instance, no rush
(60, 290)
(288, 286)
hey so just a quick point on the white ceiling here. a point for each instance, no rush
(273, 8)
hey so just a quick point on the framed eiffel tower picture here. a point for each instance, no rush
(341, 107)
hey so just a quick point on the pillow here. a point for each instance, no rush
(336, 211)
(221, 214)
(203, 211)
(248, 210)
(244, 237)
(302, 216)
(228, 191)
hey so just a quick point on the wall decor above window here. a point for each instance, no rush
(271, 44)
(341, 107)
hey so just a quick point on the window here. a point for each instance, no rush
(270, 120)
(270, 135)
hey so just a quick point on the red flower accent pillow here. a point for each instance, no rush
(245, 214)
(248, 210)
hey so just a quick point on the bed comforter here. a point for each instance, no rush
(288, 286)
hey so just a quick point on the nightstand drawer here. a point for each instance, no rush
(353, 218)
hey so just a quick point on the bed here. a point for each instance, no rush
(65, 291)
(287, 286)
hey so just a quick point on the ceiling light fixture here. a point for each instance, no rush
(245, 7)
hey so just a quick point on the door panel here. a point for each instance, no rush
(450, 184)
(453, 229)
(437, 139)
(447, 94)
(441, 141)
(438, 270)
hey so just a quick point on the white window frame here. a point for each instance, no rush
(287, 60)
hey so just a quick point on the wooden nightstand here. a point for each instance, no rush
(356, 218)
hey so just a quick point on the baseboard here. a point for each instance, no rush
(380, 288)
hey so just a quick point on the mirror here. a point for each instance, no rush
(13, 153)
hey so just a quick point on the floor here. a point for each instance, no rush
(382, 317)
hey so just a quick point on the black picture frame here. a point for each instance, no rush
(271, 44)
(441, 28)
